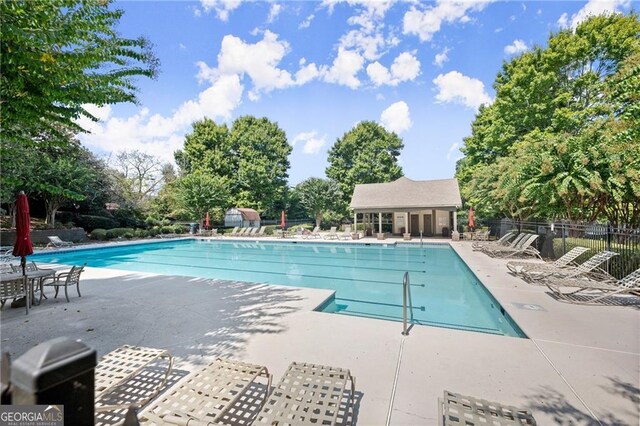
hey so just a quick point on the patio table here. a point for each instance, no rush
(32, 276)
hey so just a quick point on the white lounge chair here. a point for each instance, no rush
(234, 231)
(590, 267)
(309, 394)
(521, 247)
(521, 268)
(57, 242)
(261, 232)
(206, 395)
(313, 234)
(627, 285)
(346, 235)
(331, 235)
(478, 245)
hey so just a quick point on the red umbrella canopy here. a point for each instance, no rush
(282, 220)
(23, 246)
(471, 222)
(206, 221)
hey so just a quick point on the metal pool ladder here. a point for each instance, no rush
(406, 297)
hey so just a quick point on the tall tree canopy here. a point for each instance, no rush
(317, 196)
(58, 55)
(252, 155)
(365, 154)
(552, 144)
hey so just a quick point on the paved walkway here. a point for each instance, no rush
(580, 365)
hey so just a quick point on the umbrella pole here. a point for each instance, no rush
(23, 264)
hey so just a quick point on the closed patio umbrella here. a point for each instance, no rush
(22, 246)
(206, 221)
(472, 224)
(282, 220)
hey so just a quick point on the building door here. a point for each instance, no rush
(427, 225)
(415, 224)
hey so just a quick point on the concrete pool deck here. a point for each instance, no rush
(580, 365)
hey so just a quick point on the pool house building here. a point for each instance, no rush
(407, 206)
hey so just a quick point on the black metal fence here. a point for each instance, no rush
(558, 237)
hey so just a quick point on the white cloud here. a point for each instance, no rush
(344, 69)
(312, 143)
(221, 7)
(425, 23)
(405, 67)
(517, 46)
(498, 30)
(274, 11)
(454, 147)
(592, 8)
(380, 97)
(396, 118)
(156, 134)
(260, 61)
(441, 57)
(563, 20)
(455, 87)
(307, 22)
(182, 46)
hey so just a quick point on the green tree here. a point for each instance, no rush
(551, 143)
(207, 148)
(365, 154)
(58, 55)
(318, 197)
(199, 193)
(252, 156)
(138, 177)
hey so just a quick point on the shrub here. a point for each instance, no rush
(119, 232)
(167, 229)
(141, 233)
(129, 235)
(128, 218)
(179, 229)
(270, 229)
(98, 234)
(152, 232)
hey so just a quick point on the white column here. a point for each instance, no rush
(455, 221)
(379, 223)
(355, 221)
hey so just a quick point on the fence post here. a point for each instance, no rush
(609, 236)
(564, 237)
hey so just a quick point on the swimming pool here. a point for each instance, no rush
(367, 279)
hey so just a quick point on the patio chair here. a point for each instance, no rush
(459, 410)
(567, 259)
(122, 366)
(28, 267)
(261, 232)
(14, 288)
(308, 394)
(207, 394)
(57, 242)
(65, 279)
(331, 235)
(627, 285)
(6, 256)
(346, 235)
(234, 231)
(243, 231)
(590, 267)
(478, 245)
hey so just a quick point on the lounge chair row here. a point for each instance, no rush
(566, 278)
(248, 232)
(234, 392)
(510, 245)
(334, 235)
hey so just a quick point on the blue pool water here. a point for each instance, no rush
(367, 279)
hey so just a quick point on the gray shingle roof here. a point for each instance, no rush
(406, 193)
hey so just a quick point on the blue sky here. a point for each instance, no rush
(420, 69)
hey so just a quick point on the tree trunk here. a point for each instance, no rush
(318, 219)
(12, 213)
(51, 207)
